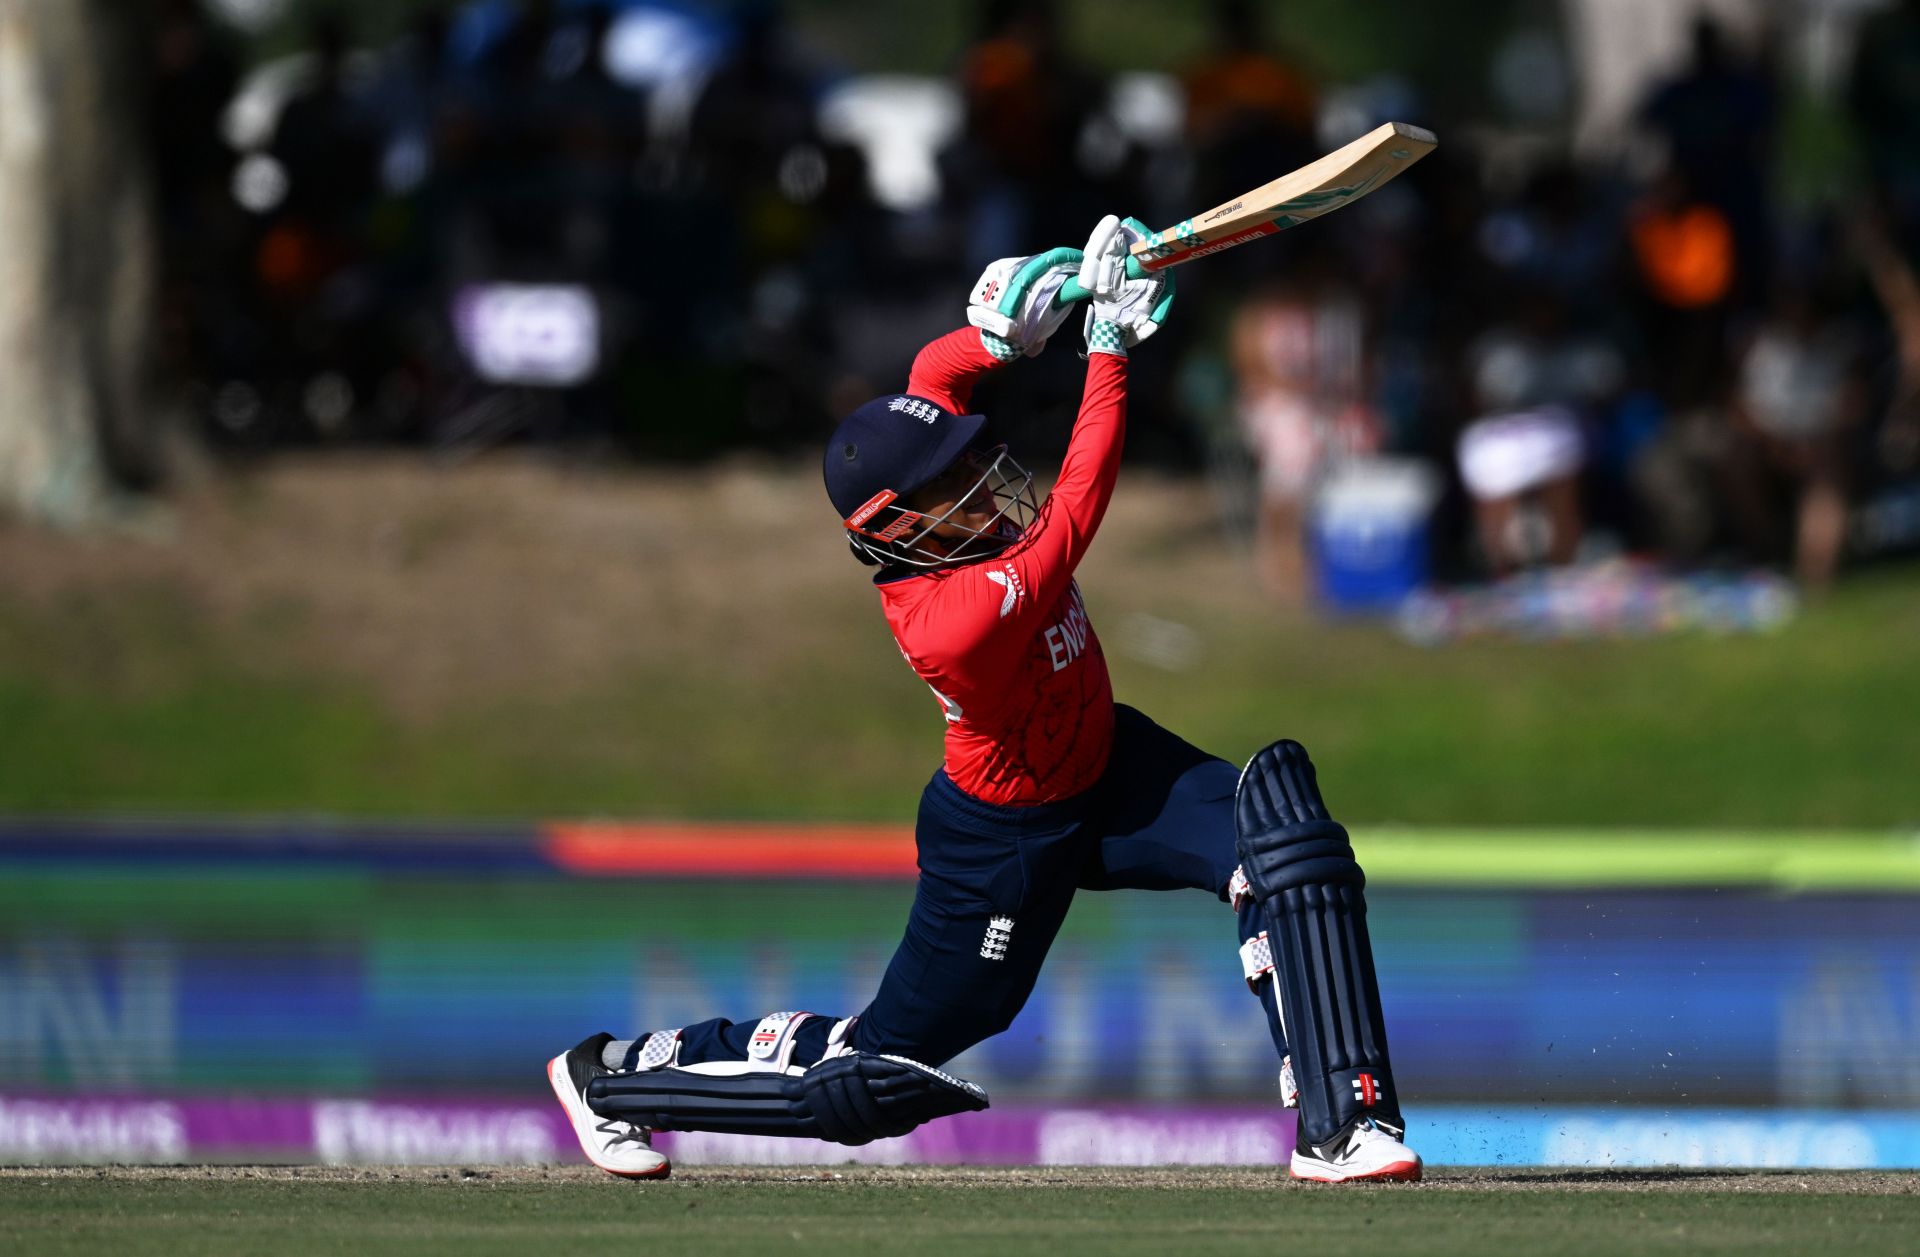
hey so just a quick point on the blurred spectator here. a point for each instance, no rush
(1884, 93)
(1718, 119)
(1026, 102)
(1898, 288)
(1561, 337)
(1797, 398)
(1299, 357)
(193, 75)
(1561, 235)
(318, 278)
(1249, 112)
(410, 99)
(407, 97)
(1683, 251)
(755, 107)
(327, 141)
(799, 207)
(1535, 381)
(1523, 469)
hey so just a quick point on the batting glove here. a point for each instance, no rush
(1133, 308)
(1013, 302)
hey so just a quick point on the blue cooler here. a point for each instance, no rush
(1367, 534)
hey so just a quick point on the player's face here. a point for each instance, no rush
(976, 507)
(960, 498)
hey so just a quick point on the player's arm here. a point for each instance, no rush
(947, 369)
(1046, 557)
(1123, 313)
(1000, 599)
(1011, 313)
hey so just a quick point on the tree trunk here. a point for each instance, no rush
(76, 261)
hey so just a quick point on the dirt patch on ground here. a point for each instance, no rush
(1446, 1179)
(517, 573)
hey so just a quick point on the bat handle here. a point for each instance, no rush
(1071, 291)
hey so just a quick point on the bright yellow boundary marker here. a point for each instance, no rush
(1784, 860)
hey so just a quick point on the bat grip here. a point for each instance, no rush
(1071, 291)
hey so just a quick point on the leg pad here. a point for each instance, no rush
(1300, 869)
(852, 1099)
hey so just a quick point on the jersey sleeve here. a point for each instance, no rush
(1060, 536)
(986, 613)
(948, 368)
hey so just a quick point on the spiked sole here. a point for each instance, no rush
(1311, 1170)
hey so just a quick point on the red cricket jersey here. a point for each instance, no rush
(1005, 642)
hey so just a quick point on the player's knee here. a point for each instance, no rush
(998, 1023)
(940, 1047)
(1283, 834)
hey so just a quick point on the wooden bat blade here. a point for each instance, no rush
(1340, 178)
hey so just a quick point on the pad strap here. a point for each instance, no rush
(840, 1038)
(771, 1046)
(1239, 889)
(661, 1049)
(1256, 960)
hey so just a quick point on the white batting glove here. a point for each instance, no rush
(1131, 309)
(1103, 266)
(1013, 302)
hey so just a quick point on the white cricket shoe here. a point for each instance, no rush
(1367, 1154)
(617, 1147)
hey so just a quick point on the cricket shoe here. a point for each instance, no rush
(617, 1147)
(1366, 1154)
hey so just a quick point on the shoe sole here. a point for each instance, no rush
(563, 1091)
(1321, 1172)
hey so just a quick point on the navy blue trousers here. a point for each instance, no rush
(995, 884)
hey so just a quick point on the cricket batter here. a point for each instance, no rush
(1048, 787)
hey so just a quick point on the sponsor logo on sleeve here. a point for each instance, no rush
(1009, 580)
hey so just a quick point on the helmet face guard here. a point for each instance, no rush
(884, 533)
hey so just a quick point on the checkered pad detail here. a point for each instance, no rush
(1106, 338)
(661, 1049)
(1256, 958)
(1002, 350)
(1239, 890)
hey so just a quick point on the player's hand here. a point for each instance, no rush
(1123, 309)
(1013, 301)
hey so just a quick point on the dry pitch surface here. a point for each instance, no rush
(858, 1210)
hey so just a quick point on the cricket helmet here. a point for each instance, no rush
(895, 445)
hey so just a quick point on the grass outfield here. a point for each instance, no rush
(967, 1213)
(507, 640)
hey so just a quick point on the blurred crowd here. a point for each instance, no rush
(502, 227)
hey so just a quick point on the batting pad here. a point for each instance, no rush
(1300, 867)
(852, 1099)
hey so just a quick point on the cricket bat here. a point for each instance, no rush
(1340, 178)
